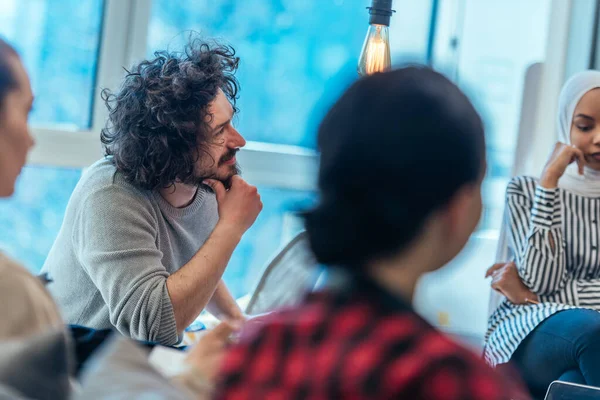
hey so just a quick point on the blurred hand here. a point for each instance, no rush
(561, 157)
(254, 322)
(239, 206)
(506, 280)
(206, 356)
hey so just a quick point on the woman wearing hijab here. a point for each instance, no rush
(549, 324)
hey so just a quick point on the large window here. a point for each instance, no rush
(297, 56)
(492, 63)
(59, 43)
(30, 220)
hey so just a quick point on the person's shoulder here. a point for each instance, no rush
(9, 267)
(447, 370)
(522, 185)
(469, 371)
(102, 183)
(28, 298)
(306, 317)
(103, 173)
(522, 180)
(12, 271)
(260, 338)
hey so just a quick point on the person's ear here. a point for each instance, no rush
(461, 214)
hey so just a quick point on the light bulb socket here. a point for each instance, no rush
(380, 12)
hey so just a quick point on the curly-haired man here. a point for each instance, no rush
(150, 228)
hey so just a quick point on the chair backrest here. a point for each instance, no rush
(286, 279)
(503, 254)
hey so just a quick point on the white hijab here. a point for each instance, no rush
(588, 184)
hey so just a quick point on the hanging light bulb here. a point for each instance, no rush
(375, 54)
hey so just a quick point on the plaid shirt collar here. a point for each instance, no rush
(348, 285)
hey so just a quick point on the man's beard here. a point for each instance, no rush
(226, 178)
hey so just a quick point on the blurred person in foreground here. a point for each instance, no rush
(28, 308)
(402, 162)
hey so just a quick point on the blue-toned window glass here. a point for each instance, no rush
(297, 56)
(492, 63)
(58, 42)
(31, 218)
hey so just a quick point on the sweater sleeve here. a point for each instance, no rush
(115, 242)
(536, 237)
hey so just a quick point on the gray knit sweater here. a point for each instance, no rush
(116, 248)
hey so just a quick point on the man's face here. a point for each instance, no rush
(218, 160)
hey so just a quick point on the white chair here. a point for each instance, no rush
(286, 279)
(531, 93)
(503, 254)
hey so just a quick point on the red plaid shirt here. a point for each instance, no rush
(356, 343)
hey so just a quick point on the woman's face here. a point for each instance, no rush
(585, 128)
(15, 140)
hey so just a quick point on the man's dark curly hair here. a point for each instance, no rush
(157, 128)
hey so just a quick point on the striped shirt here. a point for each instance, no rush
(553, 234)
